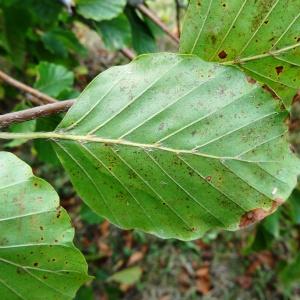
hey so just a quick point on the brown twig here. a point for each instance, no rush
(177, 4)
(35, 112)
(44, 99)
(147, 12)
(128, 53)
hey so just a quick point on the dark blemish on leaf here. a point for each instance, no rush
(36, 264)
(279, 69)
(258, 214)
(222, 54)
(266, 22)
(213, 39)
(194, 132)
(161, 126)
(58, 213)
(298, 39)
(41, 227)
(45, 277)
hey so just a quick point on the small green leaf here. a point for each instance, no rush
(88, 216)
(45, 151)
(16, 21)
(116, 33)
(60, 42)
(100, 10)
(143, 40)
(53, 79)
(176, 146)
(251, 34)
(37, 255)
(128, 276)
(294, 204)
(28, 126)
(291, 273)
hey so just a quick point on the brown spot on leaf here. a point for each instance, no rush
(251, 80)
(208, 178)
(279, 69)
(269, 90)
(258, 214)
(222, 54)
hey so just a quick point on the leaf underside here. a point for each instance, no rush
(37, 257)
(176, 146)
(261, 36)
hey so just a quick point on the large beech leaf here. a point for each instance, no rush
(176, 146)
(100, 10)
(37, 257)
(261, 36)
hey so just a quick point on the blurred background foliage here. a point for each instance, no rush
(58, 47)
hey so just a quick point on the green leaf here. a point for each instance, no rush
(45, 151)
(88, 216)
(116, 33)
(262, 37)
(175, 146)
(28, 126)
(291, 273)
(143, 40)
(100, 10)
(53, 79)
(294, 204)
(128, 276)
(60, 42)
(45, 13)
(15, 23)
(37, 255)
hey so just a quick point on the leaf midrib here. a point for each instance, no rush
(110, 142)
(260, 56)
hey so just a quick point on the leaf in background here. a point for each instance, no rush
(100, 10)
(266, 233)
(294, 204)
(143, 40)
(28, 126)
(85, 293)
(116, 33)
(175, 146)
(60, 42)
(45, 151)
(294, 125)
(88, 216)
(44, 12)
(291, 273)
(127, 276)
(15, 23)
(262, 37)
(53, 79)
(37, 255)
